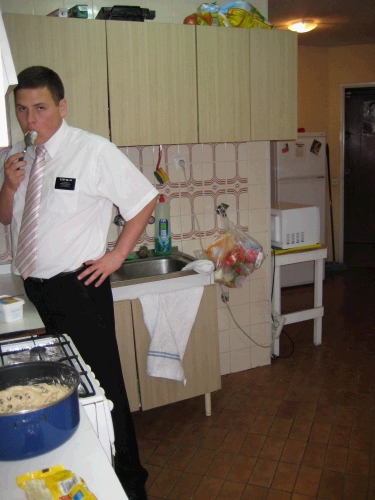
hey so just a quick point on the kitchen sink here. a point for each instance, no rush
(155, 267)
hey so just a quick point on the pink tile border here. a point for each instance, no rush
(214, 175)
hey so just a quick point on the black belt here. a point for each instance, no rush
(60, 275)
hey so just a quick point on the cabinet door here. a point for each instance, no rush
(76, 50)
(152, 83)
(273, 84)
(125, 342)
(223, 62)
(201, 360)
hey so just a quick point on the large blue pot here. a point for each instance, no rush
(30, 433)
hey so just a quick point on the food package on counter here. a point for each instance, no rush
(235, 254)
(54, 483)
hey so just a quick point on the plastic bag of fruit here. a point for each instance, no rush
(235, 254)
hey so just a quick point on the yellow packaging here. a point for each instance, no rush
(239, 18)
(55, 483)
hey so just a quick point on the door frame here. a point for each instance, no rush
(344, 87)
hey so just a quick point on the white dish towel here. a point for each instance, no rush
(169, 318)
(200, 266)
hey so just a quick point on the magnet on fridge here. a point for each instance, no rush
(285, 149)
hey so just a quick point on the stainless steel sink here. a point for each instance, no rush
(141, 270)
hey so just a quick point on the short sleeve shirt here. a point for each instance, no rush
(84, 176)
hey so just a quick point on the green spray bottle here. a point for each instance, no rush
(163, 244)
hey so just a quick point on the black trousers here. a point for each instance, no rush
(86, 314)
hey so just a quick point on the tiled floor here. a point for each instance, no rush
(301, 428)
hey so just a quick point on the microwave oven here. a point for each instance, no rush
(294, 225)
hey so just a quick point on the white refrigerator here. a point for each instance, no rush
(298, 170)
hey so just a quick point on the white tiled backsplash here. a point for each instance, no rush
(233, 173)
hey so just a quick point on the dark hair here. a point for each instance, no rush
(37, 77)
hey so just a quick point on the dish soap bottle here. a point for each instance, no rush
(162, 228)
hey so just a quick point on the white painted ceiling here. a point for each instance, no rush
(340, 22)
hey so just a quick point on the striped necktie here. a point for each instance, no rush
(27, 239)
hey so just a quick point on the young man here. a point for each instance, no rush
(83, 175)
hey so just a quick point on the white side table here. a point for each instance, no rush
(316, 313)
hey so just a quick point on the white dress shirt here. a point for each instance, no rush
(85, 175)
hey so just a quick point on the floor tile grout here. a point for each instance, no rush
(301, 427)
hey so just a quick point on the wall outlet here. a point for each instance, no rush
(180, 162)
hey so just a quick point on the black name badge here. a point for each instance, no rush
(66, 183)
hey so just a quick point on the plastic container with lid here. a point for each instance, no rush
(163, 244)
(11, 308)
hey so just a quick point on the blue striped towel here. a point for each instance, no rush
(169, 318)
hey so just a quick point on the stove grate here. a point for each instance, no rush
(46, 347)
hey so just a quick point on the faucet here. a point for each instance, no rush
(119, 220)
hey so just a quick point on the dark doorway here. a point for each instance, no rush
(359, 177)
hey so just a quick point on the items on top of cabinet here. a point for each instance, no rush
(125, 13)
(80, 11)
(62, 12)
(235, 14)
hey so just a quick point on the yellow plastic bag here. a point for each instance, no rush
(238, 18)
(54, 483)
(241, 14)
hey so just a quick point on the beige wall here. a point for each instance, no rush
(321, 72)
(312, 88)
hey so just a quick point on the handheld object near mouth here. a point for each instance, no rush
(30, 138)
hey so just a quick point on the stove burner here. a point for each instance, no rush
(36, 352)
(46, 348)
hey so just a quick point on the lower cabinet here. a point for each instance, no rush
(201, 361)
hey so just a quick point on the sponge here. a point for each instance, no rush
(159, 173)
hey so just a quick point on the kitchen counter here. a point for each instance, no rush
(10, 284)
(82, 454)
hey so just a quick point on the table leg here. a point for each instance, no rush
(318, 299)
(207, 402)
(276, 305)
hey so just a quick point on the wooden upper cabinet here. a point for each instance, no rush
(152, 83)
(164, 83)
(273, 84)
(76, 50)
(223, 62)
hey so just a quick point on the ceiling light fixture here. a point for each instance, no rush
(303, 26)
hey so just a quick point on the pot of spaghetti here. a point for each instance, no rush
(39, 408)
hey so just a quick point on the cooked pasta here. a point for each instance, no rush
(30, 397)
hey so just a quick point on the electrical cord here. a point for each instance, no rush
(193, 213)
(229, 309)
(243, 331)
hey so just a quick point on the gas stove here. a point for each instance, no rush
(60, 348)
